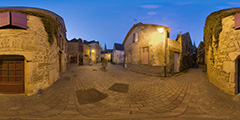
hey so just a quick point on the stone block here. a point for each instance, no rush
(233, 55)
(229, 66)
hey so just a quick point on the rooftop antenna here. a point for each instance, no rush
(135, 20)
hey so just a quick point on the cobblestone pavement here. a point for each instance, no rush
(187, 95)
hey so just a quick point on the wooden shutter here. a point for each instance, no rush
(19, 19)
(4, 19)
(237, 21)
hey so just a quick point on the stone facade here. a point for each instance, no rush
(85, 54)
(146, 37)
(118, 54)
(201, 54)
(221, 56)
(43, 62)
(73, 52)
(95, 51)
(78, 52)
(187, 57)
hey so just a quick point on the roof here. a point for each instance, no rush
(118, 46)
(89, 42)
(73, 40)
(141, 24)
(107, 51)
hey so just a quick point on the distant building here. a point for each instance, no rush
(78, 52)
(118, 53)
(201, 54)
(73, 51)
(32, 49)
(84, 54)
(95, 50)
(187, 57)
(106, 54)
(144, 50)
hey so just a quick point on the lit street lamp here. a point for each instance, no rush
(161, 30)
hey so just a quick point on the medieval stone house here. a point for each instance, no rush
(118, 53)
(187, 57)
(222, 52)
(145, 46)
(78, 52)
(32, 49)
(95, 50)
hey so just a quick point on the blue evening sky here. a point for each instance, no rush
(108, 21)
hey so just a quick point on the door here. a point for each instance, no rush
(12, 76)
(145, 52)
(176, 63)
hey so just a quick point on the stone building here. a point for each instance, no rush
(73, 51)
(222, 52)
(144, 49)
(187, 57)
(106, 54)
(118, 53)
(84, 54)
(200, 54)
(32, 49)
(78, 52)
(95, 50)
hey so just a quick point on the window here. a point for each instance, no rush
(237, 21)
(13, 19)
(130, 57)
(135, 37)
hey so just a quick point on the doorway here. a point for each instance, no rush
(11, 74)
(145, 53)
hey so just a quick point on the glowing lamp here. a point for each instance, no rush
(160, 30)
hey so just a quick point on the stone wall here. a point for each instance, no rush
(73, 50)
(86, 54)
(41, 59)
(118, 56)
(221, 61)
(155, 41)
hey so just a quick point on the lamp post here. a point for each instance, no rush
(161, 30)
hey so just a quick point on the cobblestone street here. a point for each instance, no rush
(187, 95)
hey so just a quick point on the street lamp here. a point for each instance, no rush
(93, 51)
(161, 30)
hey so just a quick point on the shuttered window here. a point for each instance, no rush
(19, 19)
(14, 19)
(4, 19)
(237, 21)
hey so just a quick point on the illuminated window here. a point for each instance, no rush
(13, 20)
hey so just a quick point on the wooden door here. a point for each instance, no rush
(11, 76)
(145, 57)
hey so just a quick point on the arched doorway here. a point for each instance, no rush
(11, 74)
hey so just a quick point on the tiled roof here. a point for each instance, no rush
(118, 46)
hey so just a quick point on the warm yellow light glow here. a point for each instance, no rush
(160, 30)
(93, 51)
